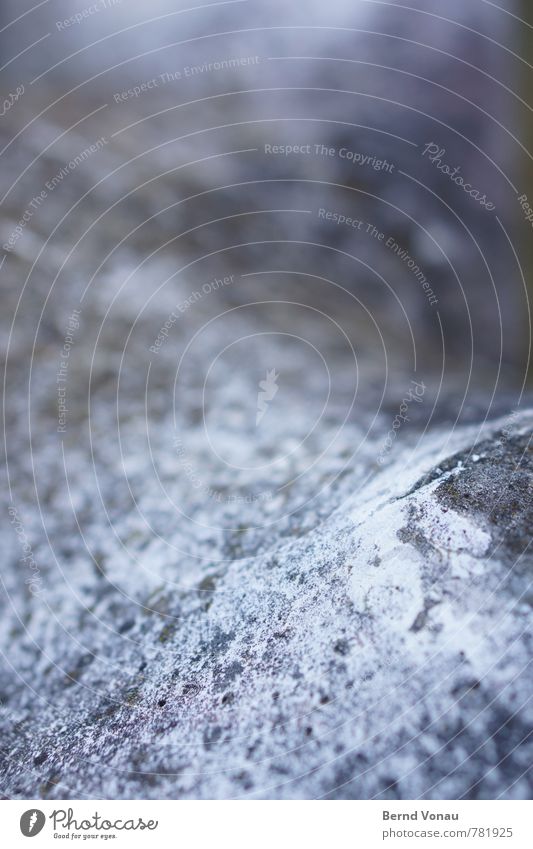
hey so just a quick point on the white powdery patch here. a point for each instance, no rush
(446, 529)
(389, 582)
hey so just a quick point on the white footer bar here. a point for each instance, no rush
(268, 824)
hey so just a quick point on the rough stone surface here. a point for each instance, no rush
(381, 652)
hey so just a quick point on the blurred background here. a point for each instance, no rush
(357, 171)
(211, 84)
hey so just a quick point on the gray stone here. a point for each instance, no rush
(382, 652)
